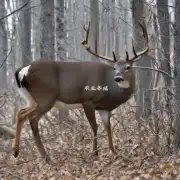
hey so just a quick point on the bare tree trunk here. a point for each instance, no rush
(60, 30)
(143, 78)
(3, 49)
(103, 27)
(26, 34)
(60, 40)
(47, 30)
(177, 78)
(35, 16)
(117, 35)
(164, 22)
(14, 58)
(18, 32)
(94, 25)
(109, 30)
(163, 17)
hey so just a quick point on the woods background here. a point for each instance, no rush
(145, 129)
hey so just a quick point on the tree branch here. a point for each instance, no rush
(6, 57)
(157, 70)
(14, 11)
(7, 131)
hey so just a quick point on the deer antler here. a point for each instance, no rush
(96, 53)
(136, 55)
(145, 35)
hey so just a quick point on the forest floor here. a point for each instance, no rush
(69, 144)
(79, 164)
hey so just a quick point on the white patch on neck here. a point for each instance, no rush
(23, 72)
(123, 84)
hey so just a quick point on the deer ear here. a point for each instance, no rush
(115, 60)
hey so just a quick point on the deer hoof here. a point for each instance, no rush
(95, 153)
(114, 152)
(47, 159)
(15, 152)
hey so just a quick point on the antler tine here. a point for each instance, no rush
(87, 35)
(114, 56)
(133, 48)
(127, 56)
(88, 48)
(144, 28)
(84, 27)
(85, 42)
(145, 35)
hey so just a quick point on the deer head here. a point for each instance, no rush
(122, 68)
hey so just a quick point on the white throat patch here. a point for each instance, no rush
(123, 84)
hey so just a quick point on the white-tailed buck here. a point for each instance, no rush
(90, 85)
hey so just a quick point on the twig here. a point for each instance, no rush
(158, 70)
(133, 149)
(14, 11)
(6, 57)
(7, 131)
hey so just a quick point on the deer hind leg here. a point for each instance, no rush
(90, 114)
(105, 117)
(21, 118)
(44, 105)
(34, 119)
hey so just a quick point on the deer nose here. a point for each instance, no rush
(118, 78)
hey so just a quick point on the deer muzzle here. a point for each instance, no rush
(121, 82)
(118, 79)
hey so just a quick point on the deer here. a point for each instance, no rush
(45, 84)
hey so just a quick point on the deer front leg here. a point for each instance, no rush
(90, 114)
(105, 117)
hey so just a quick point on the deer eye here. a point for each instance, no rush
(127, 67)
